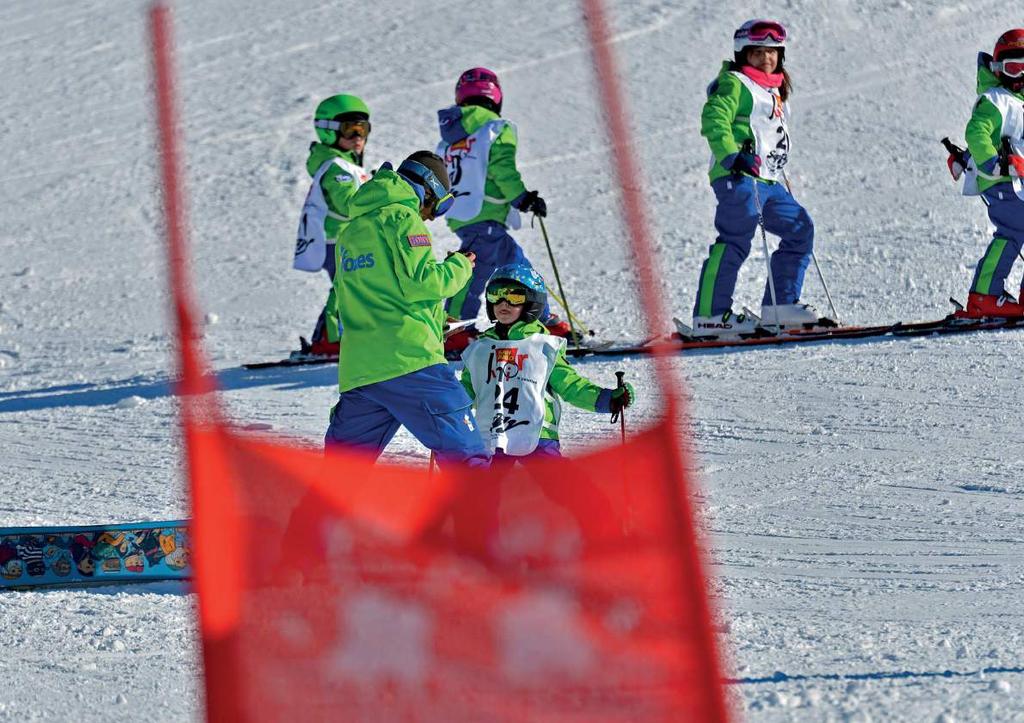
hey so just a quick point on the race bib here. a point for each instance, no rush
(311, 241)
(510, 381)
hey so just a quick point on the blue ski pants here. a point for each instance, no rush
(494, 247)
(1006, 212)
(430, 403)
(736, 224)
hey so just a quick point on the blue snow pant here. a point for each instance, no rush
(1006, 212)
(494, 247)
(328, 323)
(736, 223)
(430, 403)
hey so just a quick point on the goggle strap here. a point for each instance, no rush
(426, 178)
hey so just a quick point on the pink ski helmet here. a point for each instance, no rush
(479, 83)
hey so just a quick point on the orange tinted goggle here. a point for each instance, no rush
(512, 294)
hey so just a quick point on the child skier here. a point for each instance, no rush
(994, 138)
(745, 121)
(479, 148)
(517, 373)
(335, 163)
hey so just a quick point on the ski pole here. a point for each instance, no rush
(620, 415)
(767, 258)
(558, 280)
(584, 330)
(814, 258)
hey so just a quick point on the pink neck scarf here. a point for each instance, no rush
(763, 79)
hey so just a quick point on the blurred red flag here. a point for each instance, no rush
(361, 592)
(331, 588)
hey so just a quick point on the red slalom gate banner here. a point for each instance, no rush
(333, 588)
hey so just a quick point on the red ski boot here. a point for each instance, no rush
(990, 306)
(322, 347)
(456, 342)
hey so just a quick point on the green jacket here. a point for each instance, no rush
(565, 382)
(725, 119)
(503, 179)
(337, 191)
(985, 129)
(390, 288)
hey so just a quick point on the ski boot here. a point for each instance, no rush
(557, 327)
(794, 316)
(319, 347)
(991, 306)
(729, 325)
(455, 342)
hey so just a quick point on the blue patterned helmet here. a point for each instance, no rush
(524, 276)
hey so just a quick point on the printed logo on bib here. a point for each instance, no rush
(343, 178)
(418, 240)
(505, 364)
(453, 160)
(354, 263)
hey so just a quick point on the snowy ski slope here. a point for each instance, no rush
(864, 500)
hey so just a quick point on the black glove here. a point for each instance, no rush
(531, 202)
(744, 162)
(622, 397)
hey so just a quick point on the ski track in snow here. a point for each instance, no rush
(863, 500)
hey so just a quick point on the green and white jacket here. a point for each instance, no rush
(739, 110)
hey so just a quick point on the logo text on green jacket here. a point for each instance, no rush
(354, 263)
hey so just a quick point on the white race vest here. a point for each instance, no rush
(1011, 108)
(311, 243)
(510, 380)
(768, 123)
(467, 162)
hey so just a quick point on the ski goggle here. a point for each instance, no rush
(443, 199)
(1011, 68)
(759, 32)
(346, 129)
(514, 295)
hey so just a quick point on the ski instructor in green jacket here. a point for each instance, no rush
(391, 291)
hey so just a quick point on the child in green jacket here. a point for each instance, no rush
(335, 165)
(517, 373)
(479, 149)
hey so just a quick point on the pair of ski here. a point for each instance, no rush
(684, 340)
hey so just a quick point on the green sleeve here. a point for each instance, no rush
(719, 114)
(571, 386)
(984, 131)
(337, 193)
(467, 383)
(420, 277)
(501, 168)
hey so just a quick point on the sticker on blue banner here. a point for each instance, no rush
(94, 554)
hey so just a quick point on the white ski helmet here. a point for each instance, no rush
(760, 33)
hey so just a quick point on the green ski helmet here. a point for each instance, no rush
(334, 109)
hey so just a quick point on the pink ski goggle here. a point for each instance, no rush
(762, 31)
(1013, 68)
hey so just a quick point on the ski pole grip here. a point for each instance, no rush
(619, 383)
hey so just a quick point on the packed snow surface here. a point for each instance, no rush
(863, 500)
